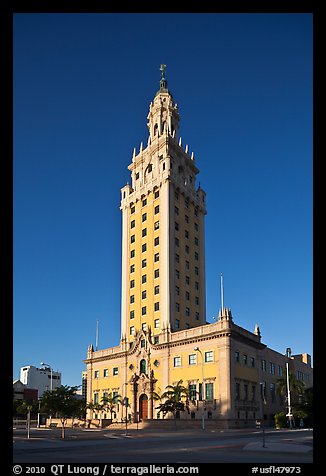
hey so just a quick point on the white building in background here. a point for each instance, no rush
(41, 379)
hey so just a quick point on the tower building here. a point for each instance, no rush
(163, 257)
(230, 374)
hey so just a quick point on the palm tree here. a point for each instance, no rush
(109, 402)
(176, 400)
(296, 387)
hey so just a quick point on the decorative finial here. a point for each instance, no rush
(163, 82)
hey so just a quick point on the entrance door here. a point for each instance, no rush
(143, 407)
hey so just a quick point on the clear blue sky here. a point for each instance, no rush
(82, 88)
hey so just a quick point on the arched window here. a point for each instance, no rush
(142, 368)
(155, 129)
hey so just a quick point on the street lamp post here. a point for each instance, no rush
(197, 349)
(51, 384)
(289, 414)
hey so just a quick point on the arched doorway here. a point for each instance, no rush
(143, 407)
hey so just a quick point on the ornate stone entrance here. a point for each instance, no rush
(142, 387)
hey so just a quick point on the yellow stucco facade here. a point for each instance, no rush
(164, 333)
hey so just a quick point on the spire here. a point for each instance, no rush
(163, 82)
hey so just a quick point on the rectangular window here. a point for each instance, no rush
(156, 323)
(263, 365)
(177, 274)
(144, 263)
(105, 372)
(244, 359)
(143, 294)
(187, 218)
(176, 210)
(197, 285)
(132, 210)
(186, 234)
(245, 391)
(132, 239)
(177, 306)
(197, 300)
(132, 314)
(196, 256)
(156, 306)
(253, 393)
(156, 257)
(132, 253)
(144, 202)
(176, 194)
(280, 371)
(177, 323)
(132, 283)
(197, 316)
(144, 217)
(96, 374)
(157, 289)
(187, 249)
(96, 399)
(132, 268)
(209, 391)
(209, 356)
(144, 278)
(187, 311)
(132, 298)
(192, 359)
(144, 326)
(187, 295)
(192, 391)
(237, 356)
(196, 270)
(156, 241)
(196, 241)
(144, 232)
(156, 209)
(137, 175)
(176, 226)
(156, 273)
(252, 361)
(143, 247)
(143, 311)
(272, 391)
(187, 280)
(187, 265)
(272, 368)
(176, 241)
(115, 371)
(156, 340)
(132, 331)
(142, 343)
(132, 224)
(237, 391)
(196, 226)
(177, 361)
(157, 194)
(177, 290)
(177, 258)
(196, 212)
(156, 225)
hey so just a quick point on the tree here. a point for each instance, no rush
(296, 387)
(61, 401)
(25, 408)
(109, 402)
(176, 400)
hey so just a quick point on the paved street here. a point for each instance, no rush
(180, 446)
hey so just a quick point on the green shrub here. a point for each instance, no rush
(280, 420)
